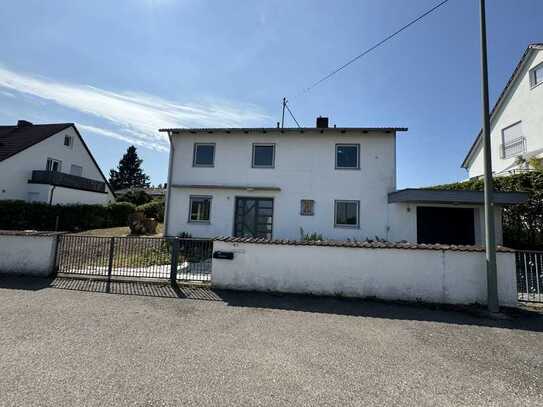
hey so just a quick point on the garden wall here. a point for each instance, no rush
(429, 273)
(27, 253)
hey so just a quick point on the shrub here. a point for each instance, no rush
(18, 215)
(118, 213)
(135, 196)
(153, 209)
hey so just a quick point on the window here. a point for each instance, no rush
(76, 170)
(204, 155)
(346, 214)
(536, 75)
(200, 209)
(513, 141)
(68, 140)
(263, 155)
(307, 207)
(348, 156)
(53, 165)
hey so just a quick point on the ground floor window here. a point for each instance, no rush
(347, 214)
(200, 208)
(307, 207)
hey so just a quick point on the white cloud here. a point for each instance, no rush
(135, 117)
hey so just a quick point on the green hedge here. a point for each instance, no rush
(153, 209)
(522, 224)
(20, 215)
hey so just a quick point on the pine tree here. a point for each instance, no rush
(129, 173)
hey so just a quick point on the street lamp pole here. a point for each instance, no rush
(490, 233)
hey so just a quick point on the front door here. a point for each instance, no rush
(253, 217)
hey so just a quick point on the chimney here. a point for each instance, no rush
(322, 122)
(23, 123)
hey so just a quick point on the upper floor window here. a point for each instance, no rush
(68, 141)
(76, 170)
(204, 155)
(348, 156)
(263, 155)
(347, 214)
(536, 75)
(513, 141)
(53, 165)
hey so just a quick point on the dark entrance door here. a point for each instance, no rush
(253, 217)
(445, 225)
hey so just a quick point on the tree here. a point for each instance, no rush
(129, 173)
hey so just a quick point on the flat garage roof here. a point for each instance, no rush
(440, 196)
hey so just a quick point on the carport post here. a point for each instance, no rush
(490, 233)
(175, 254)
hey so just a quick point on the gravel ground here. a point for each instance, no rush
(67, 343)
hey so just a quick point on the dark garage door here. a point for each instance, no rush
(445, 225)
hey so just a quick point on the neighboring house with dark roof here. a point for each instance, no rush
(272, 183)
(516, 120)
(49, 163)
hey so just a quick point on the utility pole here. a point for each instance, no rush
(490, 233)
(283, 115)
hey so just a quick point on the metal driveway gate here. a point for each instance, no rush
(176, 259)
(529, 275)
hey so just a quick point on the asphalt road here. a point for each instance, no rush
(66, 343)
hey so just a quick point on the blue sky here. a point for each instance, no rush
(122, 69)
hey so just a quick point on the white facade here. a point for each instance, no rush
(16, 171)
(304, 169)
(516, 122)
(439, 276)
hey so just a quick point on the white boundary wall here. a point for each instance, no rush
(27, 254)
(439, 276)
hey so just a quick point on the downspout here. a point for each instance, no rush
(169, 187)
(51, 195)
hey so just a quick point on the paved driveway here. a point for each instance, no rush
(65, 343)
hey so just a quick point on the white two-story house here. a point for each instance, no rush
(336, 182)
(516, 121)
(49, 163)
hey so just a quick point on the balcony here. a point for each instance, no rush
(61, 179)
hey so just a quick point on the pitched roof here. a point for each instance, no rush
(14, 139)
(505, 91)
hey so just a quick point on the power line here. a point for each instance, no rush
(291, 114)
(356, 58)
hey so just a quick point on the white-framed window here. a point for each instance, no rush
(347, 156)
(346, 214)
(307, 207)
(199, 209)
(513, 141)
(204, 155)
(263, 155)
(76, 170)
(536, 75)
(53, 165)
(68, 141)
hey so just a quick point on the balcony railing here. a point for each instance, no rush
(513, 147)
(67, 180)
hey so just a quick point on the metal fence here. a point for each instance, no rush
(135, 257)
(529, 275)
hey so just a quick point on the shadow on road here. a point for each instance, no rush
(517, 318)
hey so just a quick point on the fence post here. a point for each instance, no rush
(110, 263)
(175, 255)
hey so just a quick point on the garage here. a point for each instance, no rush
(445, 225)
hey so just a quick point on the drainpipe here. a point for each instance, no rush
(169, 187)
(51, 195)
